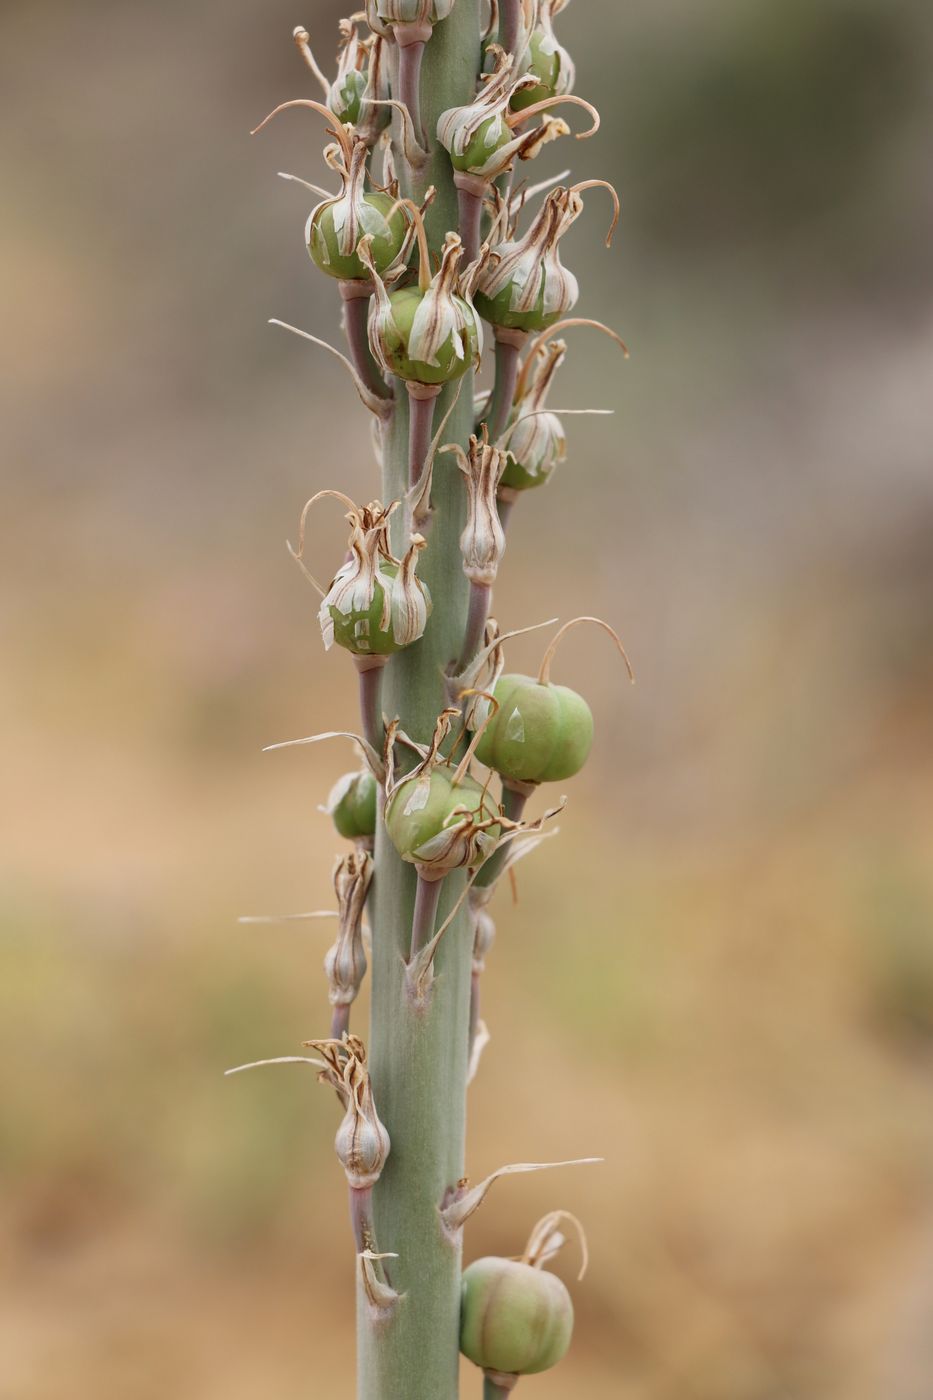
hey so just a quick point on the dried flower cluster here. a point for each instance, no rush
(453, 746)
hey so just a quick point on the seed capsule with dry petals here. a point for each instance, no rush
(439, 824)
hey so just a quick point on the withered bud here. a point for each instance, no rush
(482, 543)
(362, 1143)
(345, 962)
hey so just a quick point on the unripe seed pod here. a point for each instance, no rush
(429, 334)
(548, 62)
(439, 824)
(352, 805)
(540, 733)
(335, 228)
(376, 604)
(514, 1319)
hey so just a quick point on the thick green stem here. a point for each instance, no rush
(418, 1054)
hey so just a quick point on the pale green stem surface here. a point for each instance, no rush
(418, 1058)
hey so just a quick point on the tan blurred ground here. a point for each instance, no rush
(721, 975)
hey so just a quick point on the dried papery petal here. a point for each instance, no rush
(345, 961)
(372, 758)
(381, 407)
(456, 1212)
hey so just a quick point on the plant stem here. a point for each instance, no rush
(418, 1056)
(492, 1390)
(420, 427)
(409, 82)
(513, 806)
(471, 217)
(339, 1021)
(370, 672)
(500, 405)
(424, 918)
(480, 598)
(355, 313)
(509, 24)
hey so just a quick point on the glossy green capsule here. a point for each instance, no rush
(498, 310)
(377, 215)
(541, 733)
(514, 1319)
(453, 356)
(360, 629)
(346, 96)
(490, 136)
(428, 807)
(352, 805)
(544, 64)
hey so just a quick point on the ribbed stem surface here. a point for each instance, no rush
(418, 1057)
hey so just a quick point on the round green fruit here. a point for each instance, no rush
(491, 135)
(324, 243)
(539, 734)
(498, 311)
(426, 805)
(543, 66)
(361, 631)
(352, 805)
(514, 1319)
(454, 357)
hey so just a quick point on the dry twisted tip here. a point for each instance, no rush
(336, 127)
(546, 1241)
(544, 674)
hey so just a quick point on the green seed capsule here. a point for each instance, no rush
(373, 215)
(514, 1319)
(352, 805)
(541, 733)
(451, 358)
(544, 64)
(432, 822)
(490, 136)
(366, 629)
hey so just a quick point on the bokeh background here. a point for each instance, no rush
(721, 975)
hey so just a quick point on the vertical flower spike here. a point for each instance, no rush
(345, 961)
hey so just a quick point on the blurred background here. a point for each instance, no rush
(721, 975)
